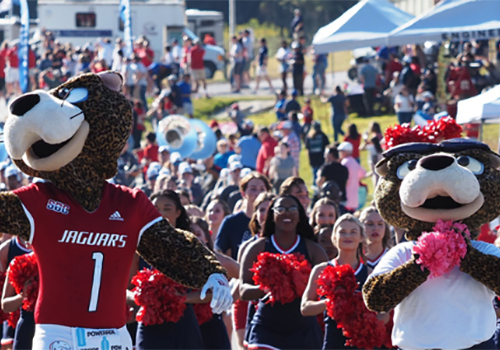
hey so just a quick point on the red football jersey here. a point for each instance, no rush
(85, 258)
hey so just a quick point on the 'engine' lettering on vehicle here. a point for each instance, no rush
(94, 239)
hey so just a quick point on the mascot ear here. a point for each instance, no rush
(381, 168)
(112, 80)
(494, 160)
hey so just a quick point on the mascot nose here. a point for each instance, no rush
(24, 104)
(437, 162)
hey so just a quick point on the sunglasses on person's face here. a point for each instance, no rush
(282, 210)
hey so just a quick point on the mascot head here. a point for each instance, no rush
(421, 183)
(73, 134)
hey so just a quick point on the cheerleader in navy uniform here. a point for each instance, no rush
(378, 236)
(243, 311)
(8, 251)
(348, 236)
(184, 334)
(281, 326)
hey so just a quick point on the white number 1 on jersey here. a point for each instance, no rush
(98, 257)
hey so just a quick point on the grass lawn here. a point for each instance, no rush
(322, 113)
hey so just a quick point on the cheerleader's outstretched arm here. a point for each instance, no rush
(383, 292)
(179, 255)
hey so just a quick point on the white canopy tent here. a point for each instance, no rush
(455, 20)
(365, 24)
(483, 108)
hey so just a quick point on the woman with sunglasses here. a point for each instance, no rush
(281, 326)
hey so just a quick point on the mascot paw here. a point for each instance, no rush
(443, 249)
(221, 293)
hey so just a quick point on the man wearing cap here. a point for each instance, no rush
(297, 63)
(290, 138)
(195, 62)
(316, 142)
(266, 151)
(186, 177)
(128, 168)
(237, 116)
(13, 178)
(292, 105)
(333, 171)
(248, 147)
(279, 107)
(356, 173)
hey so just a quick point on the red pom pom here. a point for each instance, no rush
(345, 305)
(161, 299)
(14, 318)
(284, 276)
(433, 132)
(23, 275)
(203, 313)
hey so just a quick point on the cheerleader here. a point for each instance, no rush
(281, 326)
(378, 235)
(324, 213)
(324, 237)
(184, 334)
(348, 236)
(25, 328)
(8, 251)
(243, 311)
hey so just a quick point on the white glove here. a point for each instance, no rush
(221, 293)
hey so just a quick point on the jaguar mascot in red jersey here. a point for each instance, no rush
(84, 230)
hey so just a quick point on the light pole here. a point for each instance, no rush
(232, 17)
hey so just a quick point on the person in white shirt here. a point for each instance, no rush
(356, 173)
(168, 57)
(118, 54)
(404, 105)
(283, 55)
(177, 55)
(105, 51)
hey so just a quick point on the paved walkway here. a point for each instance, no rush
(219, 89)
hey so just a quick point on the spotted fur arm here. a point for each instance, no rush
(483, 268)
(13, 219)
(383, 292)
(178, 254)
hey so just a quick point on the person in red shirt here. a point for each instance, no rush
(354, 138)
(151, 149)
(209, 40)
(145, 53)
(12, 71)
(195, 62)
(392, 66)
(266, 152)
(307, 112)
(32, 68)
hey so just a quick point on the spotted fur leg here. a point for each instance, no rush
(13, 219)
(178, 254)
(383, 292)
(483, 268)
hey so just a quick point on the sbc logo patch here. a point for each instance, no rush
(58, 207)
